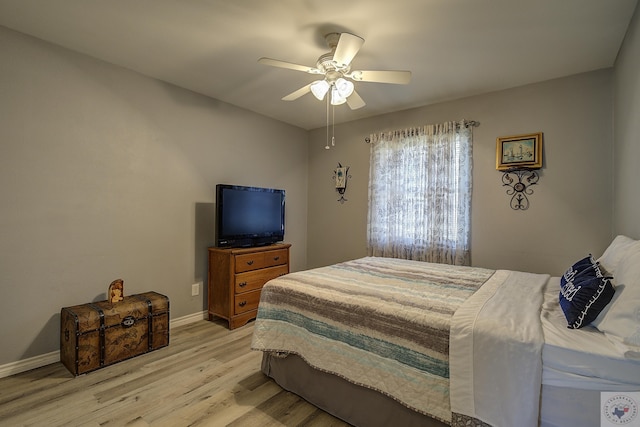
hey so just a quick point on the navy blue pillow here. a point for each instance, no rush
(585, 296)
(583, 266)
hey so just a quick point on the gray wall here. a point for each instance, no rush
(627, 133)
(571, 208)
(106, 174)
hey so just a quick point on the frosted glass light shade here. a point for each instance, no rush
(344, 87)
(336, 98)
(319, 89)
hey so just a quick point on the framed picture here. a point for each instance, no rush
(524, 151)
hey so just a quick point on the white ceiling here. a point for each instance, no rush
(454, 48)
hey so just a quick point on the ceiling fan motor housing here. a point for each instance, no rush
(327, 65)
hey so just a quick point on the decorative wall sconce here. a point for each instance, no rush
(340, 176)
(519, 190)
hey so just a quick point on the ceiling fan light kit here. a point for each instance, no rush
(341, 89)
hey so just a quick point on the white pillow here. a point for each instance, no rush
(621, 321)
(617, 250)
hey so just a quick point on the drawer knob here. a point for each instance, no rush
(275, 258)
(242, 303)
(250, 262)
(243, 284)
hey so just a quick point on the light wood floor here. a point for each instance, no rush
(207, 376)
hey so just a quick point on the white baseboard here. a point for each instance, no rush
(28, 364)
(189, 318)
(53, 357)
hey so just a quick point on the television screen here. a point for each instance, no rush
(249, 216)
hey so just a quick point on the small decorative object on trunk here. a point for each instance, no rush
(340, 175)
(116, 291)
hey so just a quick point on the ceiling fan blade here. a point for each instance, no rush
(289, 65)
(354, 101)
(395, 77)
(298, 93)
(348, 46)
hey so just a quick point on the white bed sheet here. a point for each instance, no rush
(494, 353)
(581, 358)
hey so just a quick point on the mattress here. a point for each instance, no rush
(581, 358)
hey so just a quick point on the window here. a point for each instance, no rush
(420, 194)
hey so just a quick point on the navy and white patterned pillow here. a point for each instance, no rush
(584, 293)
(583, 266)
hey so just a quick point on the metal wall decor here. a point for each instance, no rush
(521, 189)
(340, 176)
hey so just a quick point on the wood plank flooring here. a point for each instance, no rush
(207, 376)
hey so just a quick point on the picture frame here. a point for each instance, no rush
(519, 151)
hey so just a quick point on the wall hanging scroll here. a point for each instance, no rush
(518, 157)
(340, 176)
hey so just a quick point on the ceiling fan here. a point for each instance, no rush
(335, 66)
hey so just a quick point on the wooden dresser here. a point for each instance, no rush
(236, 277)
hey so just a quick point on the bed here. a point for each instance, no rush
(380, 341)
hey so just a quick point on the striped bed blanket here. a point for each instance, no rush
(380, 323)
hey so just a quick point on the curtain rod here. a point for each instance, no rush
(471, 123)
(466, 123)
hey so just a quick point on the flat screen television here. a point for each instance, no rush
(248, 216)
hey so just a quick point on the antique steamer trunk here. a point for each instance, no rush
(99, 334)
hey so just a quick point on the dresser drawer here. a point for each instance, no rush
(251, 280)
(246, 301)
(258, 260)
(278, 257)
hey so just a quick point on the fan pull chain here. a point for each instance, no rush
(326, 147)
(333, 126)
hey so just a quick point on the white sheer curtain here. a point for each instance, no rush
(420, 194)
